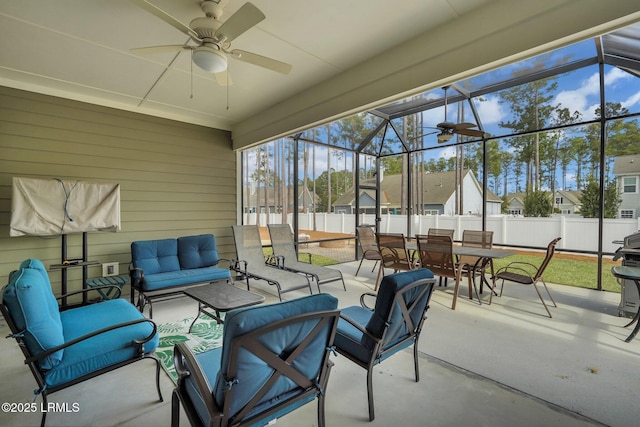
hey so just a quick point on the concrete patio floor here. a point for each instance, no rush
(502, 364)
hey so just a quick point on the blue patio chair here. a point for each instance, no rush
(64, 347)
(274, 359)
(368, 337)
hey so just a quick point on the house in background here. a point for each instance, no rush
(565, 202)
(255, 200)
(627, 172)
(436, 195)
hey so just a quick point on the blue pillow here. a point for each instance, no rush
(34, 310)
(155, 256)
(197, 251)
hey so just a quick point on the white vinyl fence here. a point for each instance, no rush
(577, 233)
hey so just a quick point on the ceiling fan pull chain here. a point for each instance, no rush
(228, 87)
(191, 96)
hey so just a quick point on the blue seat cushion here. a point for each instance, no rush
(155, 256)
(104, 349)
(34, 310)
(348, 337)
(252, 372)
(197, 251)
(170, 279)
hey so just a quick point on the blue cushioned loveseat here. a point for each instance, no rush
(164, 267)
(63, 348)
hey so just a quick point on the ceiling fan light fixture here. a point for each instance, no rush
(209, 59)
(444, 137)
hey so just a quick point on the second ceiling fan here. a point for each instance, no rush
(213, 37)
(448, 129)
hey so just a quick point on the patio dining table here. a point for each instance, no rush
(484, 255)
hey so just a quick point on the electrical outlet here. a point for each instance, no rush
(110, 269)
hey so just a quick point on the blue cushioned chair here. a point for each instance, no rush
(367, 337)
(274, 359)
(63, 348)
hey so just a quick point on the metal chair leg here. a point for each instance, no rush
(372, 414)
(175, 409)
(359, 265)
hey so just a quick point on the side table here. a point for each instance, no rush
(110, 293)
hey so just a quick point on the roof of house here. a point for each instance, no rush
(624, 165)
(437, 189)
(573, 196)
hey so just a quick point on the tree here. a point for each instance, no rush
(529, 104)
(537, 203)
(590, 199)
(262, 176)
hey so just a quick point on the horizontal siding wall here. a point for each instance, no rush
(175, 179)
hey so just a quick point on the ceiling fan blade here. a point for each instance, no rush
(151, 50)
(144, 4)
(470, 132)
(246, 17)
(465, 125)
(261, 61)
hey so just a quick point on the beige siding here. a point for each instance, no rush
(175, 179)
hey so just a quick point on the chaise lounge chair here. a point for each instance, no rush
(251, 263)
(285, 251)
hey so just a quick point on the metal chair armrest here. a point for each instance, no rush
(363, 303)
(181, 353)
(519, 266)
(96, 333)
(358, 327)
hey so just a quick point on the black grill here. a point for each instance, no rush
(630, 254)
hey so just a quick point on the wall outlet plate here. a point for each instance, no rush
(110, 269)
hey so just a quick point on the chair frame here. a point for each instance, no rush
(284, 250)
(32, 360)
(445, 267)
(441, 232)
(379, 350)
(478, 266)
(528, 274)
(393, 249)
(282, 365)
(369, 246)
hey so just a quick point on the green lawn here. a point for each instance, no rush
(315, 259)
(580, 273)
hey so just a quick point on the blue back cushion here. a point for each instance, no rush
(197, 251)
(252, 372)
(386, 305)
(155, 256)
(34, 310)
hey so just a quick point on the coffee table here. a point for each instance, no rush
(220, 297)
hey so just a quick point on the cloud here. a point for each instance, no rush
(584, 99)
(490, 110)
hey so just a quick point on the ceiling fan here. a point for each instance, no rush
(213, 37)
(448, 129)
